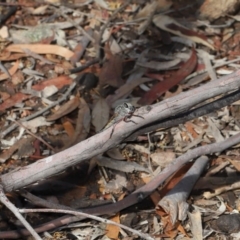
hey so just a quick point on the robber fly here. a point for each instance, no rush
(122, 112)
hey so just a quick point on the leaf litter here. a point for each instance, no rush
(138, 52)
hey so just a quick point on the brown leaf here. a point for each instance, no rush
(10, 102)
(18, 77)
(65, 109)
(125, 89)
(113, 231)
(100, 114)
(23, 147)
(4, 96)
(40, 10)
(111, 70)
(81, 47)
(190, 129)
(11, 71)
(83, 124)
(69, 128)
(158, 89)
(58, 82)
(170, 25)
(8, 56)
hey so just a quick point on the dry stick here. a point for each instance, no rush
(101, 142)
(42, 202)
(140, 193)
(142, 235)
(191, 154)
(94, 145)
(19, 216)
(187, 116)
(36, 114)
(147, 189)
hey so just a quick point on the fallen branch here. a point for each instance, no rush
(101, 142)
(187, 116)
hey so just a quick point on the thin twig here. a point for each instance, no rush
(17, 214)
(142, 235)
(34, 135)
(42, 202)
(40, 112)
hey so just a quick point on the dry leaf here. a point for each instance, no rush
(160, 65)
(147, 10)
(100, 114)
(112, 230)
(40, 10)
(162, 159)
(4, 32)
(158, 89)
(111, 70)
(35, 123)
(102, 3)
(190, 129)
(11, 71)
(115, 153)
(126, 89)
(213, 9)
(116, 185)
(49, 91)
(10, 102)
(83, 124)
(156, 5)
(58, 82)
(41, 49)
(65, 109)
(69, 129)
(80, 48)
(170, 25)
(6, 154)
